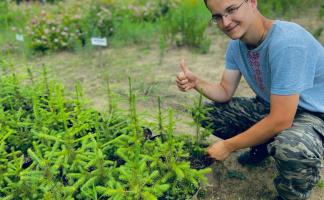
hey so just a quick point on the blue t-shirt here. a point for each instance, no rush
(289, 61)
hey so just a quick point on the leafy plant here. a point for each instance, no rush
(99, 21)
(186, 25)
(145, 10)
(52, 146)
(133, 32)
(57, 31)
(285, 7)
(321, 11)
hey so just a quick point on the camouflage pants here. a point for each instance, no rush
(297, 151)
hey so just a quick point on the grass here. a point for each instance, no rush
(129, 32)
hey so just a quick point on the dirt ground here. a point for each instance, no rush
(231, 181)
(151, 78)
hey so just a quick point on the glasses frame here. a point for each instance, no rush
(218, 18)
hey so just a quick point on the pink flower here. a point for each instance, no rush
(34, 21)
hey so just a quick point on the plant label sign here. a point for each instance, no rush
(19, 37)
(99, 41)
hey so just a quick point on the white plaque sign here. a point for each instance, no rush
(99, 41)
(19, 37)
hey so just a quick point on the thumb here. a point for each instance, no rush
(183, 66)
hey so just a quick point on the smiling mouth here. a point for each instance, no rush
(230, 29)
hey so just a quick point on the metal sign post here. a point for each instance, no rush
(20, 39)
(101, 43)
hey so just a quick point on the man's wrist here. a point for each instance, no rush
(197, 85)
(230, 145)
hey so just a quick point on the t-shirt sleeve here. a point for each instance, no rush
(230, 58)
(290, 73)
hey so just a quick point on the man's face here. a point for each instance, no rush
(233, 17)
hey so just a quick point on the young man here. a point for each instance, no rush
(284, 66)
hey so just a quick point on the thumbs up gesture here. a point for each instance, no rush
(186, 80)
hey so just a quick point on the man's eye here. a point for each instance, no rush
(231, 10)
(217, 17)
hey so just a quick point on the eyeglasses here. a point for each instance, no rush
(218, 18)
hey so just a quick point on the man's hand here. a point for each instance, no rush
(219, 151)
(186, 80)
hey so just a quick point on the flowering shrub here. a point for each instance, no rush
(104, 15)
(149, 10)
(54, 32)
(41, 1)
(99, 21)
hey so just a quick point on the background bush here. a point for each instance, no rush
(285, 7)
(67, 25)
(186, 25)
(58, 30)
(99, 22)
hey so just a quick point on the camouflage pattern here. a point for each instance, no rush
(297, 151)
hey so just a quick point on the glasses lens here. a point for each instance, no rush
(216, 19)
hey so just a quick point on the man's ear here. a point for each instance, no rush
(254, 4)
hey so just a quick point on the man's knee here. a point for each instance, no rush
(297, 161)
(295, 148)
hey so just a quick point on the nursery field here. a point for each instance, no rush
(79, 121)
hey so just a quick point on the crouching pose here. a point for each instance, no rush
(284, 65)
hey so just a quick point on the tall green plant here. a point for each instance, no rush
(131, 32)
(187, 24)
(286, 8)
(55, 147)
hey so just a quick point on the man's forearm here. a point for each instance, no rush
(213, 91)
(260, 133)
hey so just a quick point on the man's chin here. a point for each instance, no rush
(233, 36)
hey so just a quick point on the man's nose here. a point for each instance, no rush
(226, 20)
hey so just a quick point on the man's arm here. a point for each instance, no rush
(281, 116)
(222, 91)
(219, 92)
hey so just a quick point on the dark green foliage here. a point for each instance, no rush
(318, 32)
(54, 147)
(285, 7)
(321, 12)
(197, 146)
(198, 112)
(186, 25)
(5, 18)
(98, 22)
